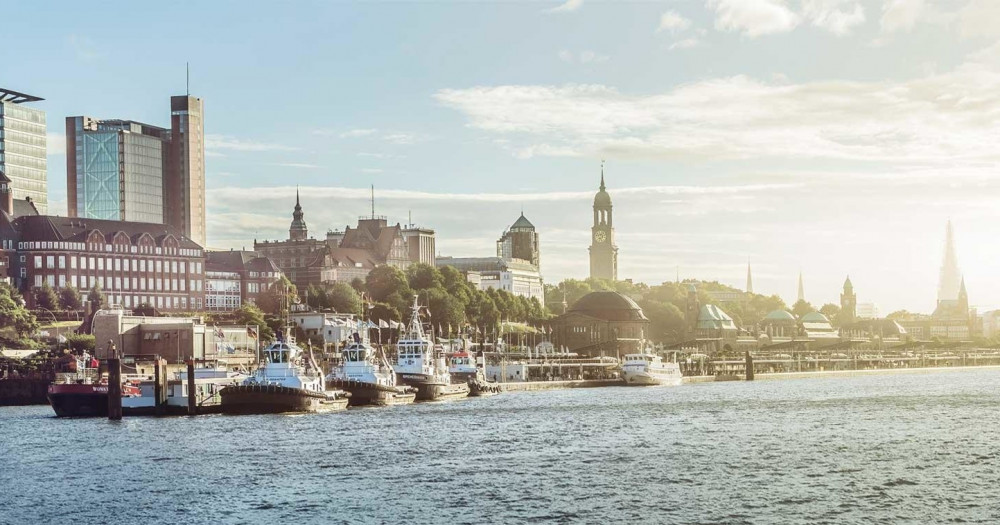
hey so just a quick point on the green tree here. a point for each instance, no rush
(80, 343)
(385, 281)
(421, 276)
(832, 312)
(384, 312)
(482, 312)
(69, 299)
(666, 321)
(278, 298)
(45, 297)
(97, 297)
(446, 311)
(13, 314)
(802, 307)
(358, 284)
(343, 298)
(250, 315)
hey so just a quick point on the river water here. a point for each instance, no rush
(888, 448)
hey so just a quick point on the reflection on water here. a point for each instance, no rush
(915, 447)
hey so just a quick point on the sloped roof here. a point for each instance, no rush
(713, 317)
(238, 261)
(608, 306)
(52, 228)
(780, 315)
(522, 222)
(815, 317)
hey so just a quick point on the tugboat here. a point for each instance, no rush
(365, 373)
(649, 369)
(286, 382)
(461, 367)
(420, 365)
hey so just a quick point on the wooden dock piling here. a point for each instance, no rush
(160, 387)
(114, 389)
(191, 389)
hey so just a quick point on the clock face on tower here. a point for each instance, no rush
(600, 236)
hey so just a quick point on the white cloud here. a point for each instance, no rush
(400, 138)
(354, 133)
(673, 21)
(980, 18)
(686, 43)
(753, 17)
(566, 7)
(836, 16)
(371, 170)
(225, 142)
(943, 119)
(901, 15)
(84, 47)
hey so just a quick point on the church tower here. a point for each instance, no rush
(848, 304)
(603, 252)
(298, 230)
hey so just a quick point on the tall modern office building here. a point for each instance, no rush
(22, 147)
(184, 187)
(130, 171)
(114, 169)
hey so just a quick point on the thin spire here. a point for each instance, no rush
(948, 284)
(802, 291)
(749, 278)
(602, 174)
(187, 78)
(373, 201)
(297, 195)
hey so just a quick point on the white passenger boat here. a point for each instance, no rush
(420, 365)
(649, 369)
(365, 372)
(288, 381)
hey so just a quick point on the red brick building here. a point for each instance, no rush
(133, 263)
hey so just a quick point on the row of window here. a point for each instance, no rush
(117, 283)
(54, 262)
(97, 247)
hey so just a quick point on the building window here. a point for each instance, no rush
(62, 262)
(72, 262)
(100, 263)
(50, 261)
(38, 280)
(38, 263)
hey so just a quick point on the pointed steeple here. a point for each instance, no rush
(298, 230)
(749, 278)
(949, 282)
(848, 286)
(802, 291)
(602, 175)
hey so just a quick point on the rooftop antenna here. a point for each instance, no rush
(410, 217)
(373, 201)
(187, 79)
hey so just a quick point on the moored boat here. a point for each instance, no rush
(288, 381)
(649, 369)
(365, 373)
(420, 365)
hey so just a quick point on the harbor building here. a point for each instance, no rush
(235, 277)
(123, 170)
(345, 255)
(23, 148)
(175, 339)
(114, 169)
(134, 263)
(515, 268)
(603, 251)
(601, 324)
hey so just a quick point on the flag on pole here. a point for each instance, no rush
(382, 324)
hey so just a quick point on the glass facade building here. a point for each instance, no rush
(116, 170)
(22, 148)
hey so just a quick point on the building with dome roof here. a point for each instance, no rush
(601, 323)
(514, 269)
(603, 251)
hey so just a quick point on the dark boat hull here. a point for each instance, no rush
(271, 399)
(370, 394)
(429, 389)
(71, 400)
(484, 388)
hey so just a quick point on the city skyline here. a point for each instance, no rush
(701, 179)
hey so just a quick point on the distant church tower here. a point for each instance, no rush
(749, 279)
(848, 304)
(802, 289)
(298, 230)
(603, 252)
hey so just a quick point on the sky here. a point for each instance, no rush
(827, 137)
